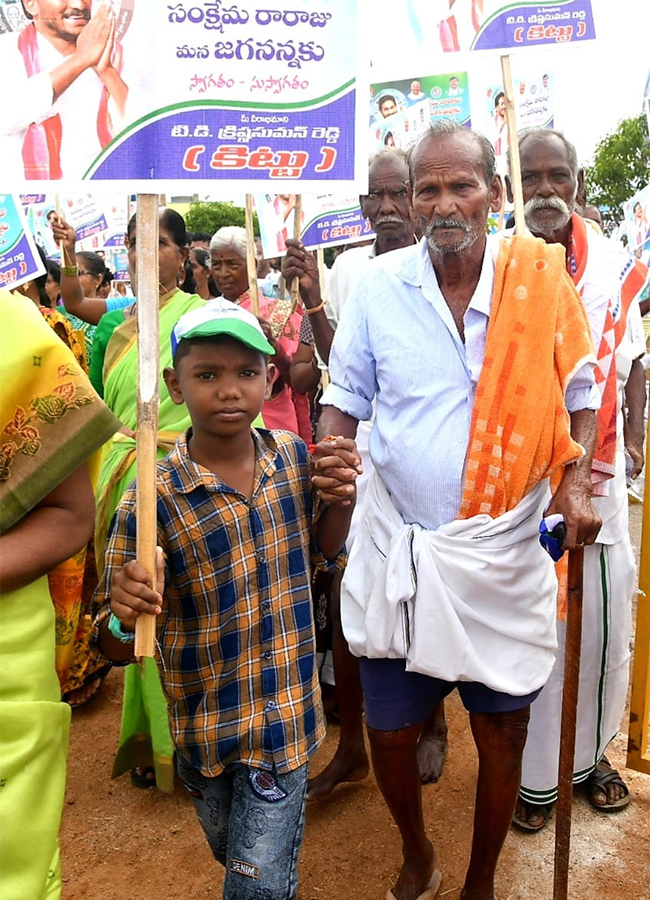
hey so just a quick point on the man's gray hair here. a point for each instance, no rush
(230, 237)
(388, 153)
(571, 153)
(445, 128)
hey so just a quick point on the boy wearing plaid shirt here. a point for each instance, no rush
(239, 533)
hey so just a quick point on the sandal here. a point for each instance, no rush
(597, 782)
(143, 777)
(89, 690)
(543, 809)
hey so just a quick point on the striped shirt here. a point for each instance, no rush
(236, 635)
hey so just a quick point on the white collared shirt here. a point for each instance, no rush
(397, 342)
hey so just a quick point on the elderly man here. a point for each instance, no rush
(387, 208)
(609, 282)
(447, 585)
(63, 90)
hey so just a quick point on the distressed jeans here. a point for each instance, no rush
(254, 821)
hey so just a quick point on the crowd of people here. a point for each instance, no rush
(397, 432)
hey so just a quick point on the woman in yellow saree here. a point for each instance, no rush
(51, 422)
(146, 747)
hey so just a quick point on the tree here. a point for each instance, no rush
(209, 216)
(621, 167)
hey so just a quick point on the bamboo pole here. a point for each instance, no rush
(251, 262)
(322, 275)
(568, 725)
(297, 231)
(513, 146)
(638, 755)
(147, 429)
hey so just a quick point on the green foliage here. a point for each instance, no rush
(621, 167)
(209, 216)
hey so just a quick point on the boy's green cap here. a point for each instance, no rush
(221, 317)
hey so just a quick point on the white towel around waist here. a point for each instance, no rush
(474, 600)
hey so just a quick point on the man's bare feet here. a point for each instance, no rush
(432, 750)
(417, 880)
(344, 767)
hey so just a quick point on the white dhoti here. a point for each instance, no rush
(474, 600)
(609, 574)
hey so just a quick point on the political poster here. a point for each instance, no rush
(116, 212)
(327, 220)
(401, 110)
(191, 92)
(19, 259)
(534, 97)
(119, 262)
(463, 25)
(85, 212)
(637, 224)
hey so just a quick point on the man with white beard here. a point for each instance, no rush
(609, 283)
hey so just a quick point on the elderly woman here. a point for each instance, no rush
(280, 321)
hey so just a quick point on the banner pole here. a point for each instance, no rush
(147, 427)
(251, 262)
(513, 146)
(297, 230)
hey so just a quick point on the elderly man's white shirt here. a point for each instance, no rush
(397, 342)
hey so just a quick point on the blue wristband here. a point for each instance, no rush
(115, 628)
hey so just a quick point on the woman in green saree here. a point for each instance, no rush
(51, 422)
(146, 747)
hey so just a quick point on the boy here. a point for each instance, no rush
(235, 630)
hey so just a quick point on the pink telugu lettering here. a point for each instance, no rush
(561, 34)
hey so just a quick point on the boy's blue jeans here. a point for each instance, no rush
(254, 822)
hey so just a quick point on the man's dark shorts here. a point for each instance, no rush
(395, 698)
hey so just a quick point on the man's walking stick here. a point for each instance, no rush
(568, 726)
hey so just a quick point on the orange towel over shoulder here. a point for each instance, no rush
(538, 337)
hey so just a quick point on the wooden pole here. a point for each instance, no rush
(147, 431)
(251, 261)
(568, 725)
(513, 146)
(638, 756)
(297, 231)
(322, 278)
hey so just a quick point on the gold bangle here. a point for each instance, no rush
(315, 309)
(70, 271)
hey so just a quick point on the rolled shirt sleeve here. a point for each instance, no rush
(581, 392)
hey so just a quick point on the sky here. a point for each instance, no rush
(598, 83)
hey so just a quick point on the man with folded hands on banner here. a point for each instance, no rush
(64, 96)
(447, 585)
(609, 282)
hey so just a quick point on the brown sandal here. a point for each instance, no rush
(597, 782)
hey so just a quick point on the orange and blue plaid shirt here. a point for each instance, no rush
(236, 636)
